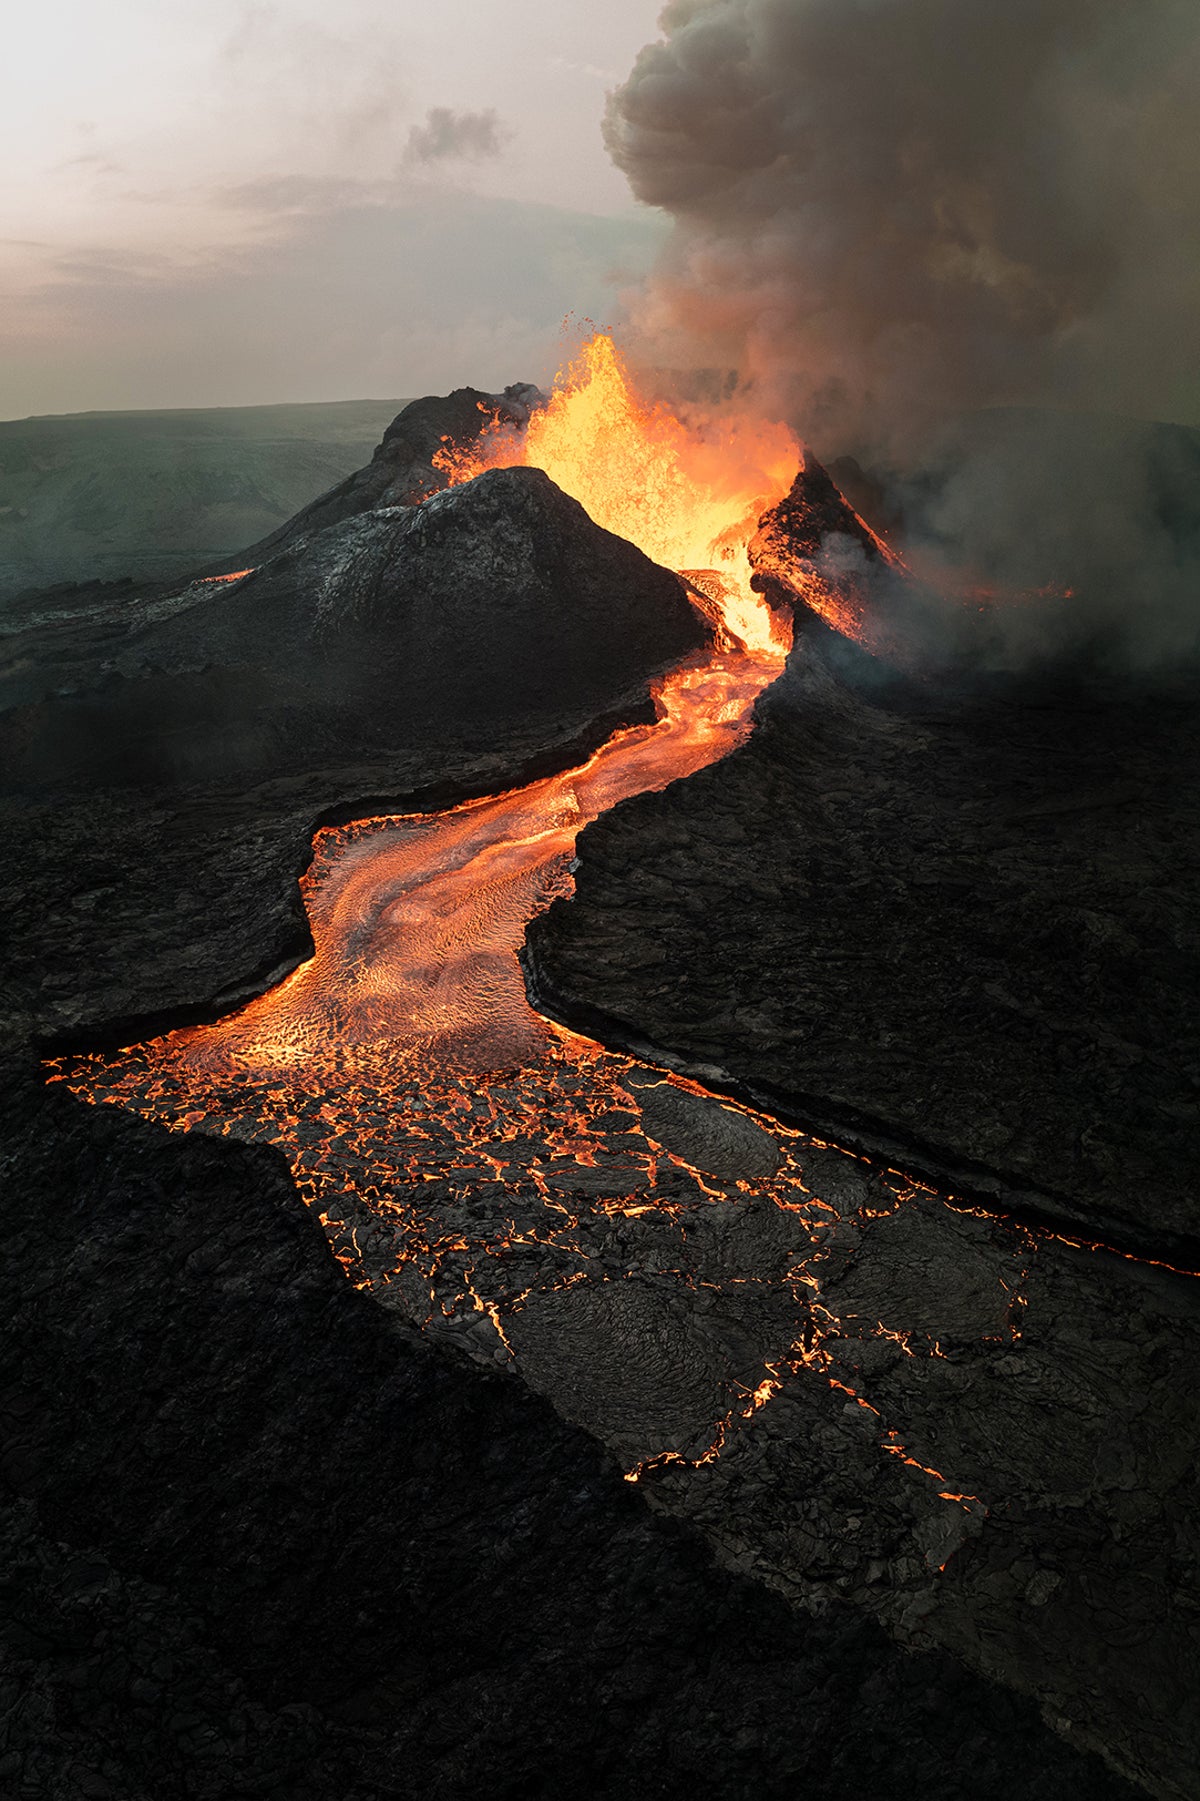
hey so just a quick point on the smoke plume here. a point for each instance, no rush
(449, 136)
(888, 209)
(945, 238)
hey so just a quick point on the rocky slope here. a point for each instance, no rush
(953, 924)
(494, 615)
(265, 1540)
(402, 470)
(955, 919)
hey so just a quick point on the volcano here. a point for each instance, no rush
(723, 1051)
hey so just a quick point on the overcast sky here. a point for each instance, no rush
(217, 202)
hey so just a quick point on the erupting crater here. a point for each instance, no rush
(651, 1257)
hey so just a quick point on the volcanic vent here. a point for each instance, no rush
(505, 1182)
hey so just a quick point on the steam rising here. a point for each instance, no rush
(449, 136)
(893, 217)
(885, 209)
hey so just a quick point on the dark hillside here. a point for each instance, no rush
(154, 494)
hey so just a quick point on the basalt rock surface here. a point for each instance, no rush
(956, 928)
(813, 550)
(261, 1540)
(860, 1389)
(495, 617)
(959, 925)
(1054, 1388)
(402, 471)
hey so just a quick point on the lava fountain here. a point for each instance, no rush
(689, 495)
(417, 922)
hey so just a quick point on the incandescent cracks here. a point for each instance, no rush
(672, 1270)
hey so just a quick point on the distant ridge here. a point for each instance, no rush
(158, 493)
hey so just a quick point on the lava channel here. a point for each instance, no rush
(474, 1164)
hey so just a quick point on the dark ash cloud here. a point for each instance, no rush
(449, 136)
(887, 209)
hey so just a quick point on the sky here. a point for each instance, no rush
(227, 202)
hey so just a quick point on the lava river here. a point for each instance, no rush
(648, 1255)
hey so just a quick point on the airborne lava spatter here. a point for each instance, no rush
(470, 1160)
(690, 497)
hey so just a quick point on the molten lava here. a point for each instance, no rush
(689, 496)
(417, 921)
(468, 1158)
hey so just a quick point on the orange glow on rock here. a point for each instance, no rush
(466, 1156)
(689, 495)
(417, 920)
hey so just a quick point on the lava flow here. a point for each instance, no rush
(479, 1167)
(691, 498)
